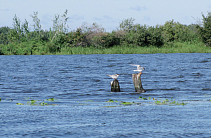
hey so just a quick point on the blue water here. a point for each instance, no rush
(80, 87)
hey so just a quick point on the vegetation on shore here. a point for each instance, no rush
(128, 38)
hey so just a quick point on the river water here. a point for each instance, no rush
(80, 88)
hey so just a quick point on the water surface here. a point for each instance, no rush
(80, 87)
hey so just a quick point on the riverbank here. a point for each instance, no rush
(43, 49)
(173, 48)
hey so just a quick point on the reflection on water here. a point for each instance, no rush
(81, 87)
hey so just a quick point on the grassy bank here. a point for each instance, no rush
(43, 49)
(173, 48)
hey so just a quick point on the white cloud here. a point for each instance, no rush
(107, 17)
(147, 18)
(97, 19)
(76, 17)
(4, 10)
(138, 8)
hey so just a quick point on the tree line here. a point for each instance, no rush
(22, 41)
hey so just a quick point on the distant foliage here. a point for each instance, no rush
(4, 32)
(20, 40)
(205, 30)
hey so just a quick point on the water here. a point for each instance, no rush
(80, 88)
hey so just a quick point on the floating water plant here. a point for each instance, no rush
(50, 99)
(166, 102)
(110, 106)
(19, 104)
(158, 102)
(174, 102)
(33, 102)
(144, 98)
(43, 103)
(181, 103)
(111, 100)
(89, 101)
(127, 103)
(0, 99)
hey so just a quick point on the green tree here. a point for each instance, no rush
(140, 35)
(205, 30)
(60, 27)
(127, 24)
(168, 31)
(25, 30)
(16, 33)
(4, 35)
(175, 32)
(20, 32)
(37, 33)
(36, 20)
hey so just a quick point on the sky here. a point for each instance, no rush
(106, 13)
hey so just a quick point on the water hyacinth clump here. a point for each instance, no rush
(50, 99)
(110, 100)
(163, 102)
(19, 104)
(167, 102)
(36, 103)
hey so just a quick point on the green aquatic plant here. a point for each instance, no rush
(167, 102)
(164, 102)
(32, 102)
(161, 102)
(50, 99)
(43, 104)
(174, 102)
(149, 98)
(140, 97)
(35, 103)
(0, 99)
(181, 103)
(110, 100)
(127, 103)
(19, 104)
(83, 104)
(110, 106)
(158, 102)
(89, 101)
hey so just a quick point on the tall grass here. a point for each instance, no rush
(174, 48)
(43, 49)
